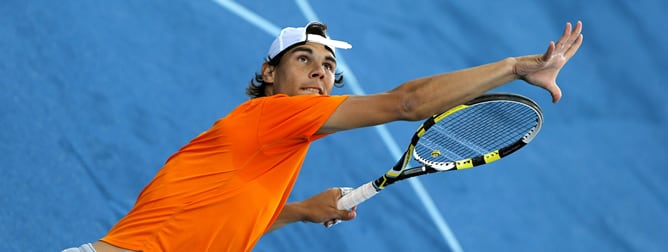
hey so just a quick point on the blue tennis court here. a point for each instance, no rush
(96, 95)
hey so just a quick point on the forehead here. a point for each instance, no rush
(313, 48)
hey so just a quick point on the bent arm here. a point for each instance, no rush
(317, 209)
(290, 213)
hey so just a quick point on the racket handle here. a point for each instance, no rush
(352, 197)
(357, 196)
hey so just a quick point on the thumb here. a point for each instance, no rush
(347, 214)
(555, 91)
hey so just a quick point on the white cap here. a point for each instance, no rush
(291, 35)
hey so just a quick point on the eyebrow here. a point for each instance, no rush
(310, 51)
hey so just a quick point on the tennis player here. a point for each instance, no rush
(229, 185)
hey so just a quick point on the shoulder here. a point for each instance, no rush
(282, 101)
(286, 106)
(303, 98)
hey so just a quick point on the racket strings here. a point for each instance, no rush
(476, 130)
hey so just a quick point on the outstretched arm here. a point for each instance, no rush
(420, 98)
(318, 209)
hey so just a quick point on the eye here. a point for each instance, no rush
(302, 59)
(328, 66)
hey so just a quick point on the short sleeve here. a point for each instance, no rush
(288, 117)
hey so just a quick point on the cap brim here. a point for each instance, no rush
(329, 42)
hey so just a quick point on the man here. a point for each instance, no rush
(229, 185)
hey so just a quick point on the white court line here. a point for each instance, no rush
(357, 90)
(250, 16)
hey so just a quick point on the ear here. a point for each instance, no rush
(268, 72)
(268, 78)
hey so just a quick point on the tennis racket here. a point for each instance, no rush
(478, 132)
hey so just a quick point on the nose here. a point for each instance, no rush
(317, 72)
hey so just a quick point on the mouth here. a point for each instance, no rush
(312, 90)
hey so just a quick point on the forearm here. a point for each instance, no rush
(429, 95)
(317, 209)
(291, 212)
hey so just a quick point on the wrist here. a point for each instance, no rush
(294, 212)
(512, 64)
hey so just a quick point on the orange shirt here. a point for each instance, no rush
(225, 188)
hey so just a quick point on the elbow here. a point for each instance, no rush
(412, 109)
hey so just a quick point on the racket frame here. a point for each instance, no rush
(400, 172)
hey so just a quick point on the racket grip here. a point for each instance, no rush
(357, 196)
(352, 197)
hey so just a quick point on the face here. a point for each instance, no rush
(307, 69)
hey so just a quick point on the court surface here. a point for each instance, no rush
(95, 96)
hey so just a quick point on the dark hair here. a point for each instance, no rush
(257, 85)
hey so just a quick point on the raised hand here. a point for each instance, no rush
(542, 70)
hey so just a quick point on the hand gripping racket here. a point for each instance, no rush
(478, 132)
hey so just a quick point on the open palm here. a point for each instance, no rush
(542, 70)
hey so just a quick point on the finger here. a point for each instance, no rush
(344, 191)
(550, 50)
(347, 215)
(578, 28)
(577, 41)
(565, 36)
(329, 223)
(574, 35)
(344, 215)
(567, 29)
(569, 37)
(574, 48)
